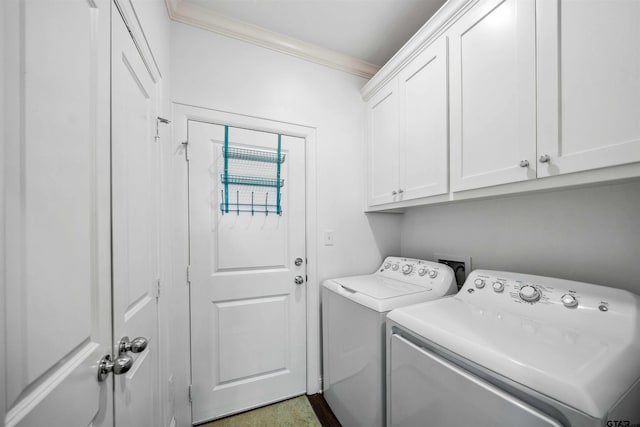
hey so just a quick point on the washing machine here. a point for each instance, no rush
(353, 321)
(516, 350)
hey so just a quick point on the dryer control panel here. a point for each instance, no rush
(498, 289)
(420, 272)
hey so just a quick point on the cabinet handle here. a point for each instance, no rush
(394, 192)
(545, 158)
(524, 163)
(400, 191)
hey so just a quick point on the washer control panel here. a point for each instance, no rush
(508, 289)
(417, 271)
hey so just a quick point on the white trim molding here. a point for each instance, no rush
(197, 16)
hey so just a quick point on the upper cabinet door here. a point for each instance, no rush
(493, 89)
(588, 84)
(424, 127)
(382, 111)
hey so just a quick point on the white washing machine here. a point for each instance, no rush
(516, 350)
(353, 321)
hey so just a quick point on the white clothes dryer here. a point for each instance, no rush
(353, 321)
(516, 350)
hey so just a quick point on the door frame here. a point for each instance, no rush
(181, 115)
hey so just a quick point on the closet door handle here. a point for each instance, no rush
(545, 158)
(394, 192)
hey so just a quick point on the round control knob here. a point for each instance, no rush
(569, 300)
(433, 274)
(387, 265)
(407, 268)
(529, 293)
(395, 267)
(422, 271)
(498, 286)
(479, 283)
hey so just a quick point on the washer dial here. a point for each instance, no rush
(433, 274)
(407, 268)
(529, 293)
(422, 271)
(498, 286)
(479, 283)
(395, 267)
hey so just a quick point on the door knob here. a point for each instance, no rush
(299, 280)
(524, 163)
(119, 366)
(545, 158)
(298, 262)
(137, 345)
(394, 192)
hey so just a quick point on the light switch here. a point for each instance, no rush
(328, 237)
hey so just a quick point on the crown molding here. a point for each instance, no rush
(196, 16)
(434, 28)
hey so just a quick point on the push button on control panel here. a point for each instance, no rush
(569, 301)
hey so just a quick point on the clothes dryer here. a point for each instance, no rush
(516, 350)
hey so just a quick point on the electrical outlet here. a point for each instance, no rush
(461, 266)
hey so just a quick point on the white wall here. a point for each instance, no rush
(588, 234)
(213, 71)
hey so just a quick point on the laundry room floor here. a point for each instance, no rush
(301, 411)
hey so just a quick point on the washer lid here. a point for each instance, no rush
(379, 287)
(582, 367)
(380, 293)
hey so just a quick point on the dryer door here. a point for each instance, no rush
(426, 390)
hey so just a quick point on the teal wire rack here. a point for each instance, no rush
(255, 178)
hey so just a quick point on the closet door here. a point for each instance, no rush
(135, 228)
(493, 90)
(588, 84)
(58, 294)
(424, 125)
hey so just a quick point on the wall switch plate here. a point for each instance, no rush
(328, 237)
(461, 265)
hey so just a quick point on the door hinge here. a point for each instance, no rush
(186, 150)
(189, 392)
(188, 275)
(158, 121)
(157, 290)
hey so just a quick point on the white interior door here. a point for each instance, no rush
(135, 227)
(248, 338)
(58, 300)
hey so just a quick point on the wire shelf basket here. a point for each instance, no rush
(253, 155)
(251, 180)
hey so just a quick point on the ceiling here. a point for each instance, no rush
(368, 30)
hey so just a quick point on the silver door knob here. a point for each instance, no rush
(137, 345)
(299, 280)
(400, 191)
(394, 192)
(298, 262)
(545, 158)
(119, 366)
(524, 163)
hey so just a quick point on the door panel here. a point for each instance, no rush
(493, 117)
(424, 140)
(382, 110)
(588, 84)
(248, 345)
(135, 227)
(425, 386)
(58, 293)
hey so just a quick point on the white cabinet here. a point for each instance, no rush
(588, 84)
(408, 131)
(493, 90)
(423, 152)
(382, 119)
